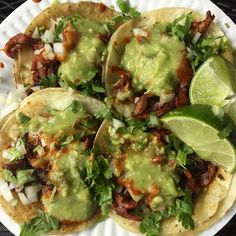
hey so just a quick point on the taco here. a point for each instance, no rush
(152, 59)
(47, 178)
(63, 46)
(156, 191)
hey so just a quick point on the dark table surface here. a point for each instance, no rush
(228, 6)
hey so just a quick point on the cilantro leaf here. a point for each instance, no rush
(59, 29)
(98, 89)
(207, 47)
(94, 87)
(22, 177)
(181, 158)
(180, 28)
(9, 177)
(153, 121)
(76, 107)
(182, 209)
(127, 11)
(24, 120)
(98, 177)
(41, 224)
(185, 211)
(49, 81)
(14, 154)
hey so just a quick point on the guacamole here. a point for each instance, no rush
(145, 175)
(82, 63)
(71, 199)
(138, 172)
(153, 62)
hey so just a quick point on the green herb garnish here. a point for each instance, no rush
(39, 225)
(182, 209)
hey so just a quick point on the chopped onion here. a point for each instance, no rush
(196, 37)
(43, 142)
(117, 124)
(38, 51)
(47, 47)
(48, 36)
(48, 53)
(24, 199)
(166, 97)
(20, 146)
(19, 189)
(36, 34)
(136, 99)
(140, 32)
(70, 91)
(6, 155)
(12, 186)
(5, 191)
(58, 48)
(35, 88)
(40, 150)
(32, 193)
(136, 197)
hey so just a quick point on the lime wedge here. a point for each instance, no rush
(214, 82)
(198, 127)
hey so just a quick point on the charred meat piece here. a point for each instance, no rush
(158, 160)
(124, 83)
(182, 98)
(16, 43)
(185, 71)
(161, 134)
(42, 68)
(161, 109)
(209, 175)
(202, 26)
(191, 182)
(141, 105)
(122, 204)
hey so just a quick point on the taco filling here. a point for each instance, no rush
(157, 62)
(48, 163)
(68, 51)
(159, 178)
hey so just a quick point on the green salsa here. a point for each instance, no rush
(138, 149)
(153, 63)
(73, 200)
(145, 175)
(82, 62)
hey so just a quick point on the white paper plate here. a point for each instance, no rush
(21, 17)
